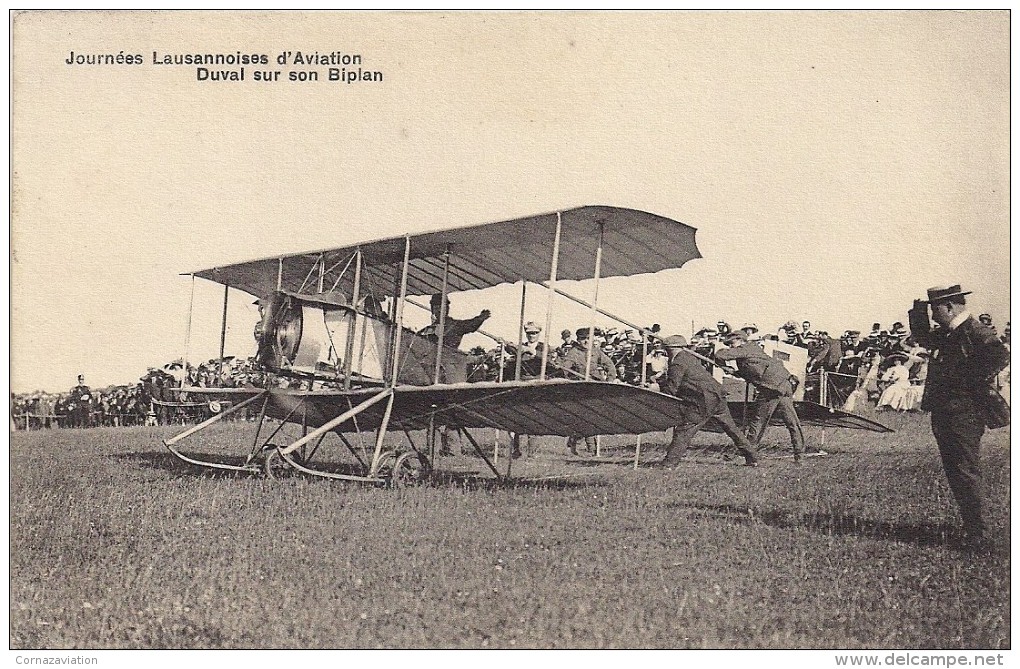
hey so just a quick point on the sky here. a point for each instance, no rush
(835, 164)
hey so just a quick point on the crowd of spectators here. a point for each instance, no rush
(112, 406)
(154, 399)
(884, 366)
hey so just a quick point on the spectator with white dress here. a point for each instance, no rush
(897, 385)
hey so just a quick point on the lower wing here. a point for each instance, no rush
(551, 407)
(811, 413)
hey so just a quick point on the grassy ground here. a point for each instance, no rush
(115, 544)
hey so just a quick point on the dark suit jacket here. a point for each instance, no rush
(454, 330)
(963, 363)
(828, 353)
(700, 394)
(754, 366)
(575, 360)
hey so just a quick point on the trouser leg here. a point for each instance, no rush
(589, 444)
(729, 426)
(763, 410)
(446, 442)
(959, 438)
(682, 437)
(788, 413)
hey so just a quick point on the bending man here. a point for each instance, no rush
(773, 389)
(704, 401)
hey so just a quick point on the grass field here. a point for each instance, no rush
(115, 544)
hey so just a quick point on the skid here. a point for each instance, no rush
(247, 467)
(375, 472)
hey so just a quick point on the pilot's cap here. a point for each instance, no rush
(737, 335)
(532, 327)
(674, 341)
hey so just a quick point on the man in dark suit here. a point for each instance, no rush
(531, 350)
(703, 399)
(773, 389)
(81, 397)
(601, 368)
(826, 353)
(966, 356)
(454, 368)
(454, 329)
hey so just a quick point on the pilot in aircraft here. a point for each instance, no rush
(453, 332)
(454, 329)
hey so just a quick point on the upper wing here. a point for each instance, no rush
(554, 407)
(633, 242)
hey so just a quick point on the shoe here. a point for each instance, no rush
(574, 452)
(750, 461)
(813, 450)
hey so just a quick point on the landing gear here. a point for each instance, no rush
(409, 469)
(274, 467)
(404, 469)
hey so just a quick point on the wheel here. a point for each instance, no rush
(275, 467)
(409, 469)
(386, 461)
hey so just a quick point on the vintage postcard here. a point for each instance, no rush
(461, 330)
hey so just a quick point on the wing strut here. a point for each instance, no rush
(594, 306)
(552, 286)
(169, 443)
(478, 450)
(342, 418)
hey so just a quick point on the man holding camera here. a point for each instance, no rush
(966, 357)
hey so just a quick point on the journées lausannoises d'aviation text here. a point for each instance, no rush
(237, 67)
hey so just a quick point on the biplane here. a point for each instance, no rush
(333, 329)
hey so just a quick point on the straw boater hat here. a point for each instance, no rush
(940, 293)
